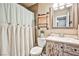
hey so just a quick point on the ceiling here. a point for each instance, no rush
(28, 4)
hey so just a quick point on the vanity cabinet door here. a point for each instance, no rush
(52, 49)
(49, 48)
(61, 48)
(55, 53)
(55, 49)
(56, 46)
(71, 49)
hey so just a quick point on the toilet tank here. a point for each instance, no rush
(41, 42)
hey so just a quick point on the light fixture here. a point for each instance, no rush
(62, 7)
(68, 5)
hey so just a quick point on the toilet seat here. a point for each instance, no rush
(36, 51)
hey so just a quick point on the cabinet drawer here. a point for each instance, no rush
(71, 49)
(67, 54)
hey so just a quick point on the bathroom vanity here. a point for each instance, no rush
(62, 46)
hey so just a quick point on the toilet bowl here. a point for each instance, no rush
(37, 50)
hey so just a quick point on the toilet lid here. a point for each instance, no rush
(36, 50)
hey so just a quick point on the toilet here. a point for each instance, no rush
(37, 50)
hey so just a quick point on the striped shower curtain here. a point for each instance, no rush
(16, 38)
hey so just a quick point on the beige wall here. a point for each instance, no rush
(34, 8)
(44, 8)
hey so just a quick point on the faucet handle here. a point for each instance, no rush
(61, 35)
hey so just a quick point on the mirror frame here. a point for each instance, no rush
(52, 13)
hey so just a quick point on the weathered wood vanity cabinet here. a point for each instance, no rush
(61, 49)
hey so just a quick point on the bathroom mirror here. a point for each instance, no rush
(62, 15)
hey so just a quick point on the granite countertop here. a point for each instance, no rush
(63, 39)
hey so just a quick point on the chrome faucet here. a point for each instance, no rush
(61, 34)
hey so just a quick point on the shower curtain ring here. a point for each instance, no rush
(9, 23)
(17, 24)
(24, 25)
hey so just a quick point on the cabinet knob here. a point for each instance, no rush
(57, 55)
(75, 49)
(61, 47)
